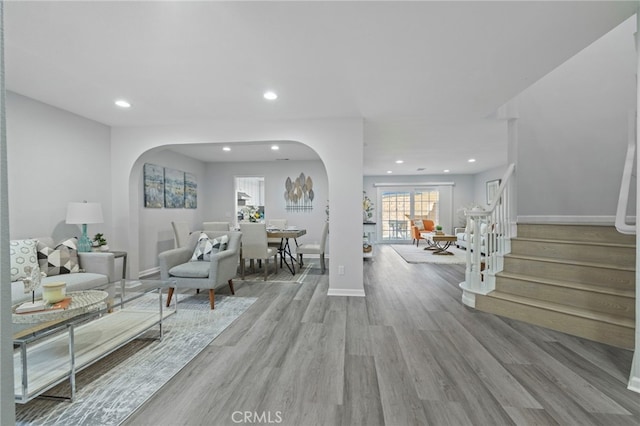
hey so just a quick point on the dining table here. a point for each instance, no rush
(285, 248)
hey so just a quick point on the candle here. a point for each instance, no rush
(54, 292)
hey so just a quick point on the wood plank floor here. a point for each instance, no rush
(409, 353)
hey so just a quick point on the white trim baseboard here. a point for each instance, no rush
(346, 292)
(634, 384)
(568, 219)
(148, 272)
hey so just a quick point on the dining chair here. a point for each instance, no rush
(315, 248)
(255, 246)
(280, 224)
(180, 233)
(216, 226)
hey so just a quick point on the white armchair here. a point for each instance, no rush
(176, 266)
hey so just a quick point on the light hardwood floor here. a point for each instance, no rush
(409, 353)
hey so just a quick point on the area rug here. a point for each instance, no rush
(111, 389)
(283, 274)
(412, 254)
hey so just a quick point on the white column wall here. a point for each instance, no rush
(339, 144)
(7, 406)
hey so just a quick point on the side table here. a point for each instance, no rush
(123, 255)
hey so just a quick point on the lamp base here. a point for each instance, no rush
(84, 243)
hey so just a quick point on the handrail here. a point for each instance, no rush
(503, 185)
(488, 235)
(623, 199)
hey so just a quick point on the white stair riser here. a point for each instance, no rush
(610, 334)
(583, 233)
(606, 277)
(616, 256)
(579, 298)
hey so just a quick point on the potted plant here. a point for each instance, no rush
(100, 243)
(439, 230)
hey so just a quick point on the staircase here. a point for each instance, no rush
(577, 279)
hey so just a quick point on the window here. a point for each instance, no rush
(401, 205)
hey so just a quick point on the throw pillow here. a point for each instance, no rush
(419, 224)
(22, 253)
(62, 259)
(206, 247)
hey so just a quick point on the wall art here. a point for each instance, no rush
(298, 193)
(173, 188)
(190, 191)
(153, 186)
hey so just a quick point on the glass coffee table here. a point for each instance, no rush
(51, 347)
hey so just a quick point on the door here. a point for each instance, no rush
(399, 205)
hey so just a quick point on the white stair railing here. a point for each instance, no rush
(494, 226)
(627, 175)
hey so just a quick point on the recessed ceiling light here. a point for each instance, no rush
(270, 96)
(446, 170)
(399, 161)
(275, 147)
(389, 172)
(226, 148)
(471, 160)
(122, 103)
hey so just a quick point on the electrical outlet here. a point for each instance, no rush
(340, 269)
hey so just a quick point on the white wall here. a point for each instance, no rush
(155, 224)
(339, 143)
(462, 193)
(216, 199)
(572, 131)
(219, 187)
(480, 183)
(54, 157)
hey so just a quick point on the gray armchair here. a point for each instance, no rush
(176, 266)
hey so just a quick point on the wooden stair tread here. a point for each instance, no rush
(568, 284)
(569, 262)
(576, 243)
(564, 309)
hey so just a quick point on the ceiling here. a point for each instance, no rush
(424, 76)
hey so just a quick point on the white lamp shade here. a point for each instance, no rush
(83, 213)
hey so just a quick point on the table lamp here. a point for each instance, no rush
(82, 214)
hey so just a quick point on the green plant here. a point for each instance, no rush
(100, 240)
(438, 228)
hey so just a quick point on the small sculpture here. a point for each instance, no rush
(33, 281)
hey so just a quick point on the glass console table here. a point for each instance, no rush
(51, 347)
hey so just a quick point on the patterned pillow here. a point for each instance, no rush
(22, 253)
(419, 224)
(206, 247)
(62, 259)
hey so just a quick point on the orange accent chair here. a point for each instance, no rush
(427, 226)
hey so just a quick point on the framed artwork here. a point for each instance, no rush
(173, 188)
(298, 193)
(190, 191)
(492, 189)
(153, 186)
